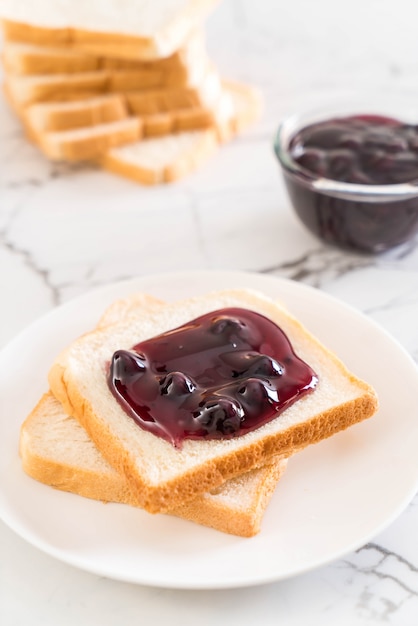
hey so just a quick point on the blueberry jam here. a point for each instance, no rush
(218, 376)
(366, 150)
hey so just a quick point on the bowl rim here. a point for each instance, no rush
(349, 191)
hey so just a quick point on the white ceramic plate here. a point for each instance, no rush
(333, 498)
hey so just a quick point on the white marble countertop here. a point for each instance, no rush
(65, 230)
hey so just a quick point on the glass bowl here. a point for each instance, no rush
(370, 218)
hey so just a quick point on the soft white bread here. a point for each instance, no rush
(29, 89)
(247, 104)
(48, 117)
(90, 128)
(183, 108)
(57, 116)
(155, 101)
(24, 90)
(131, 305)
(57, 451)
(26, 58)
(162, 159)
(169, 158)
(143, 29)
(162, 476)
(23, 58)
(89, 142)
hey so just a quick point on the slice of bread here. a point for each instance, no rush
(168, 158)
(29, 89)
(156, 101)
(144, 29)
(57, 116)
(27, 59)
(188, 108)
(162, 159)
(247, 103)
(57, 451)
(125, 307)
(90, 142)
(22, 59)
(162, 476)
(25, 90)
(79, 130)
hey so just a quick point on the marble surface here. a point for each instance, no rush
(67, 229)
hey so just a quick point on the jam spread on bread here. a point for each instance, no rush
(219, 376)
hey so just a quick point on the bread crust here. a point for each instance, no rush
(77, 145)
(244, 522)
(50, 117)
(21, 58)
(244, 453)
(160, 44)
(237, 508)
(185, 161)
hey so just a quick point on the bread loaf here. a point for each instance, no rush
(82, 90)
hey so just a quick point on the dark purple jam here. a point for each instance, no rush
(363, 149)
(219, 376)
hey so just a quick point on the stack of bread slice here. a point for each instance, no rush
(148, 106)
(79, 439)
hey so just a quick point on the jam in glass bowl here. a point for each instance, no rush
(352, 172)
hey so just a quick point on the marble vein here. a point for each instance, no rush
(30, 262)
(319, 264)
(390, 583)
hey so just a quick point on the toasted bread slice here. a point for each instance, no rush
(57, 451)
(163, 476)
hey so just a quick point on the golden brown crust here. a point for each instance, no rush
(24, 62)
(56, 87)
(162, 100)
(145, 176)
(204, 478)
(172, 110)
(68, 116)
(151, 175)
(26, 33)
(245, 522)
(125, 46)
(65, 146)
(226, 512)
(26, 58)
